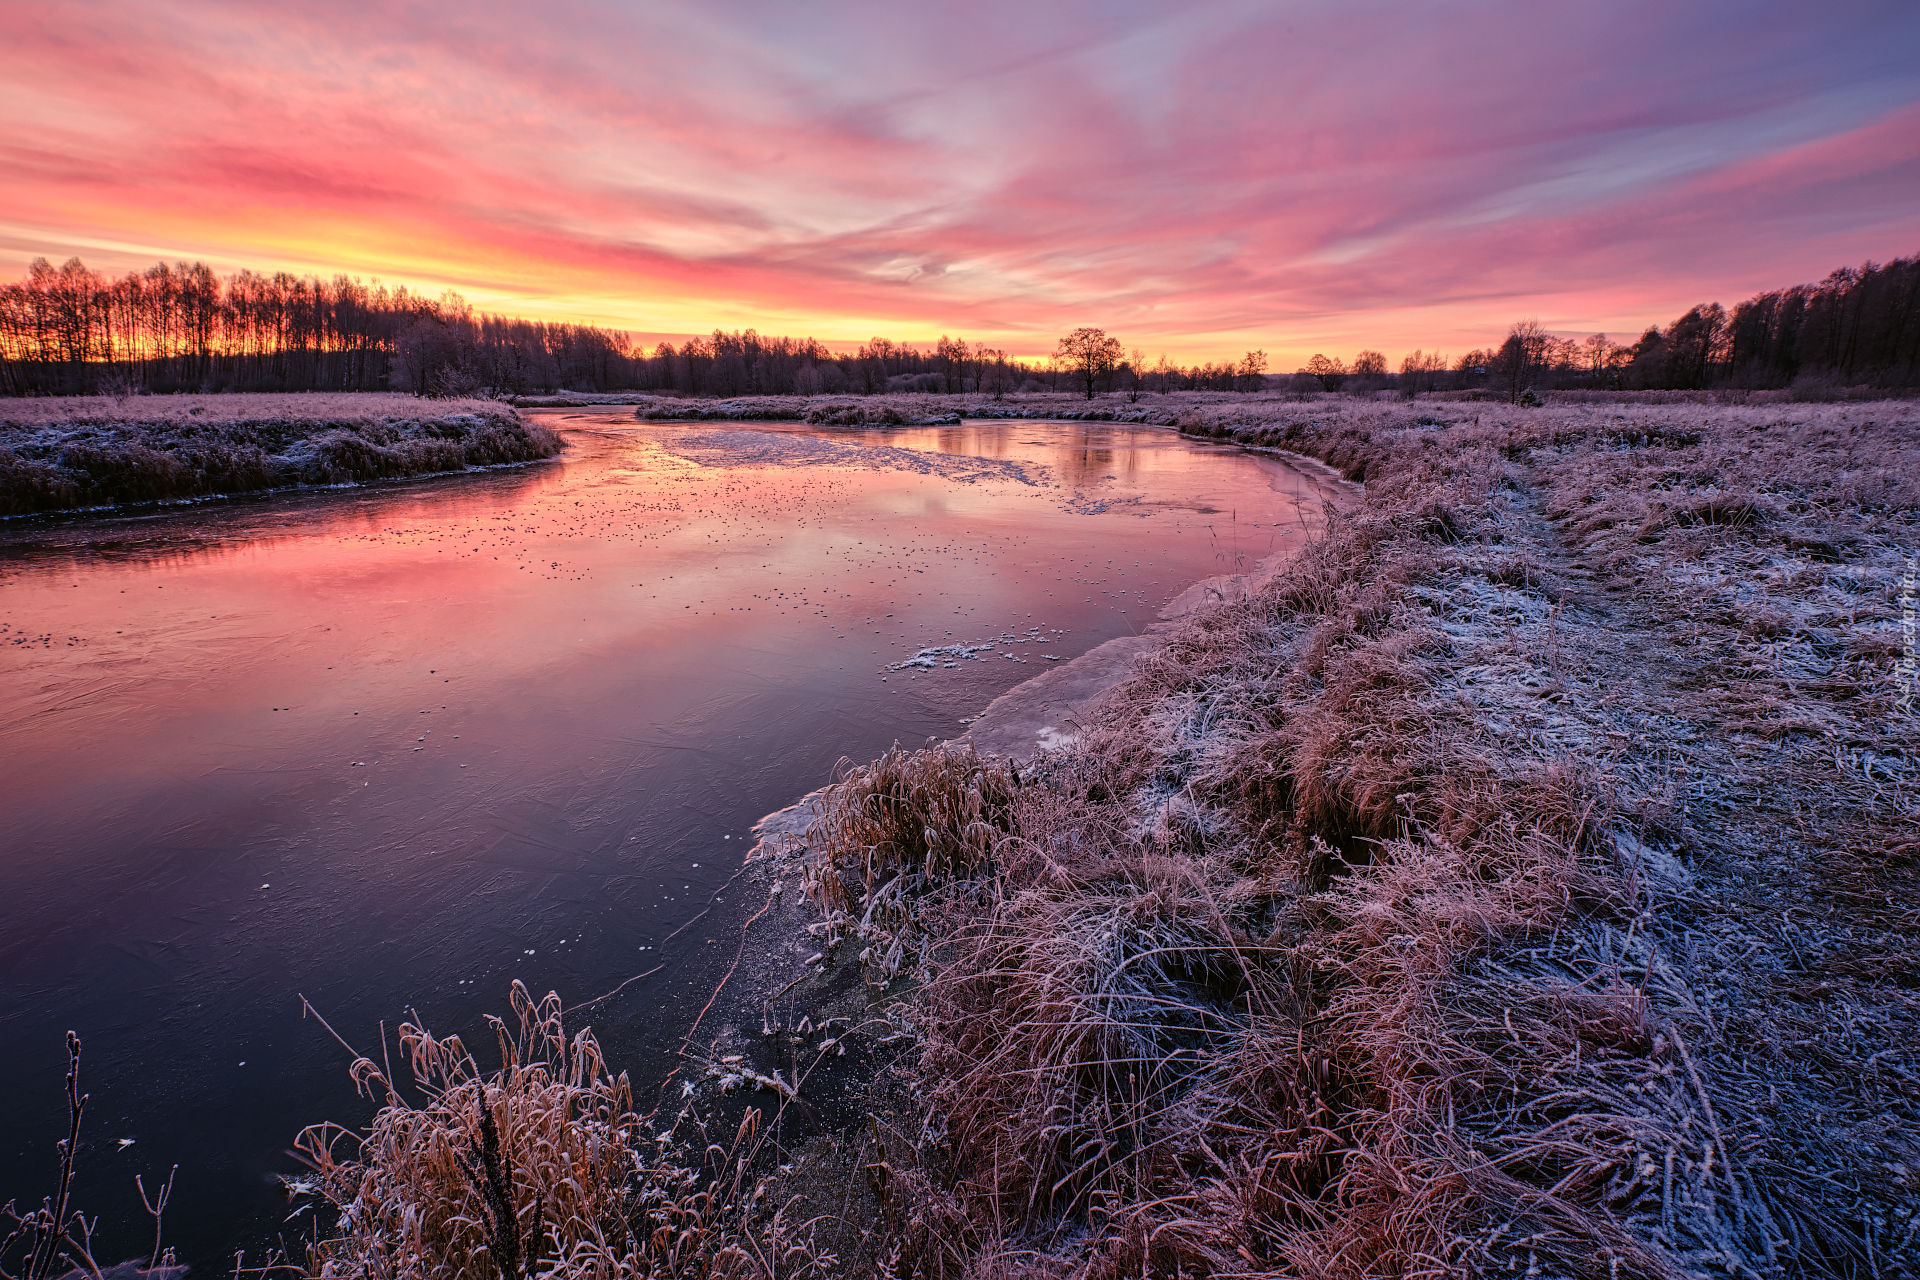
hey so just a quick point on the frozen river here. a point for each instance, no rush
(394, 747)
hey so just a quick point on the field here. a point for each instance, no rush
(1523, 883)
(91, 451)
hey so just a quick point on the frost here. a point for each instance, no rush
(952, 655)
(782, 449)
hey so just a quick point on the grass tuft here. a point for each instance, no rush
(890, 833)
(540, 1167)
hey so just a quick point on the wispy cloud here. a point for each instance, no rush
(1199, 180)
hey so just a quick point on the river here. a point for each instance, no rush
(390, 748)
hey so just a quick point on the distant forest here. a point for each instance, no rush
(70, 331)
(1858, 327)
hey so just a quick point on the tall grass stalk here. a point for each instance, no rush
(541, 1167)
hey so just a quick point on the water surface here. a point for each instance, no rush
(394, 747)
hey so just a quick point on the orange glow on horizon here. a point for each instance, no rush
(1201, 190)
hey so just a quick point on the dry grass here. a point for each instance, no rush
(916, 408)
(542, 1167)
(58, 454)
(1204, 408)
(894, 833)
(1521, 884)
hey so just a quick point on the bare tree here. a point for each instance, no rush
(1329, 370)
(1598, 350)
(1166, 374)
(1421, 371)
(953, 356)
(1091, 354)
(997, 374)
(1522, 358)
(1253, 371)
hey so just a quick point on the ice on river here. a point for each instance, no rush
(952, 655)
(779, 449)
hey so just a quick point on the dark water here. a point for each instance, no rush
(393, 748)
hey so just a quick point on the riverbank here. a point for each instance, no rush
(1150, 408)
(782, 966)
(1521, 881)
(97, 451)
(920, 409)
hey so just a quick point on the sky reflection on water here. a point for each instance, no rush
(395, 747)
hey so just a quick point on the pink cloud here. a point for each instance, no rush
(1203, 180)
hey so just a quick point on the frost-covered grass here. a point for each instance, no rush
(1159, 408)
(1522, 882)
(790, 449)
(920, 409)
(224, 409)
(58, 454)
(541, 1167)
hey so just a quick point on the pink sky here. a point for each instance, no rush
(1199, 179)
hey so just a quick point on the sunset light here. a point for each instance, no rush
(1200, 180)
(729, 640)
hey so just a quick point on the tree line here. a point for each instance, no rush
(1858, 327)
(70, 330)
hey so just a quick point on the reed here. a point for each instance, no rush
(543, 1167)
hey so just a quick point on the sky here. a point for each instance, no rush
(1198, 178)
